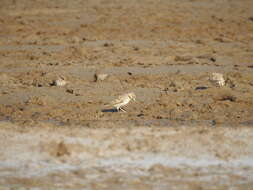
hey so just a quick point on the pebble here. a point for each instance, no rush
(223, 39)
(183, 58)
(71, 91)
(207, 56)
(75, 40)
(201, 88)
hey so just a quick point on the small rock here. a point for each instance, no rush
(214, 122)
(194, 61)
(251, 18)
(32, 39)
(108, 44)
(100, 77)
(183, 58)
(199, 41)
(75, 39)
(231, 82)
(204, 56)
(201, 88)
(173, 84)
(207, 56)
(71, 91)
(230, 98)
(177, 85)
(136, 48)
(166, 89)
(158, 168)
(62, 150)
(223, 39)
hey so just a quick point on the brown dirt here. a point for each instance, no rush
(164, 51)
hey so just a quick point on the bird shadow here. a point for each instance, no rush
(109, 110)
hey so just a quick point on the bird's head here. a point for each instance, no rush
(132, 96)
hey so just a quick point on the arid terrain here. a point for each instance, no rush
(183, 132)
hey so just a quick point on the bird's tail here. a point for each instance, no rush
(107, 104)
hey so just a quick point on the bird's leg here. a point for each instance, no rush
(122, 109)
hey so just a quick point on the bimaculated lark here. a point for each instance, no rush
(122, 101)
(60, 81)
(217, 79)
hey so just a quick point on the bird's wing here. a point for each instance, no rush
(116, 101)
(119, 100)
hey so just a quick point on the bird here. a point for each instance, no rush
(60, 81)
(217, 79)
(123, 100)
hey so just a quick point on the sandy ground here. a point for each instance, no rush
(128, 157)
(162, 50)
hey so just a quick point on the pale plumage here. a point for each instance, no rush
(217, 79)
(122, 101)
(60, 81)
